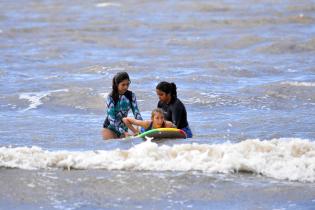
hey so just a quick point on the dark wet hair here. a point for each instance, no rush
(168, 88)
(118, 78)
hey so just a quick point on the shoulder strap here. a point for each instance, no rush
(128, 94)
(150, 126)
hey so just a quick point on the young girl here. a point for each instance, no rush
(172, 107)
(157, 121)
(119, 102)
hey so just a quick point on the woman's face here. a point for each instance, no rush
(123, 86)
(158, 119)
(163, 97)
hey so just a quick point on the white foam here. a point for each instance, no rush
(35, 97)
(107, 4)
(31, 185)
(300, 84)
(103, 95)
(290, 158)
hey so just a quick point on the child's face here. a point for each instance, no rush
(123, 86)
(158, 119)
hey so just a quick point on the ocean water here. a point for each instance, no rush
(245, 71)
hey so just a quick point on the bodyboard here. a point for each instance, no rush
(162, 133)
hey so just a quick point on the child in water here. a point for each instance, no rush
(157, 121)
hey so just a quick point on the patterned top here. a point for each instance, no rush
(116, 113)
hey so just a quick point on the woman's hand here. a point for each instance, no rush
(125, 120)
(126, 134)
(129, 123)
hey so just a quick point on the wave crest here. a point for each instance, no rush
(290, 158)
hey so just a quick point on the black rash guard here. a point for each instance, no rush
(175, 112)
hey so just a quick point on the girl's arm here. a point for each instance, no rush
(129, 122)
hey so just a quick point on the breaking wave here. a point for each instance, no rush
(285, 159)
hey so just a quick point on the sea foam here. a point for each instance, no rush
(285, 159)
(35, 98)
(107, 4)
(300, 84)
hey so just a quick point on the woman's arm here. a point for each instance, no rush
(169, 124)
(129, 122)
(134, 107)
(111, 115)
(179, 115)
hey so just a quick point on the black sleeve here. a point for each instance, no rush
(159, 105)
(178, 114)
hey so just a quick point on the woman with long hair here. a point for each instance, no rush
(174, 109)
(119, 102)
